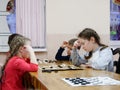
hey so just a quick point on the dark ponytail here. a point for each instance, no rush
(87, 33)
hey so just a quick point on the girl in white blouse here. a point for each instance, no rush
(98, 56)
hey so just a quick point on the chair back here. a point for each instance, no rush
(117, 62)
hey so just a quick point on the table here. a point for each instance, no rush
(53, 81)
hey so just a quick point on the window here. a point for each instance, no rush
(30, 22)
(4, 30)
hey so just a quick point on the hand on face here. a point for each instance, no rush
(27, 50)
(88, 45)
(31, 54)
(77, 44)
(65, 44)
(68, 52)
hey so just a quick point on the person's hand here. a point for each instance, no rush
(68, 52)
(86, 66)
(32, 54)
(76, 44)
(65, 43)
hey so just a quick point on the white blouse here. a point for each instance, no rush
(101, 59)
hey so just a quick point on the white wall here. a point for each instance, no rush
(69, 16)
(66, 18)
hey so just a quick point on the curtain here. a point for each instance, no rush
(30, 21)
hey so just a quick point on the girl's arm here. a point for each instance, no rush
(76, 59)
(32, 54)
(21, 64)
(59, 56)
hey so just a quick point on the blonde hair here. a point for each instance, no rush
(15, 45)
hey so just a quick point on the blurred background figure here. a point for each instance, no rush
(11, 18)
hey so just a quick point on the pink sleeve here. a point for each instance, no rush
(22, 65)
